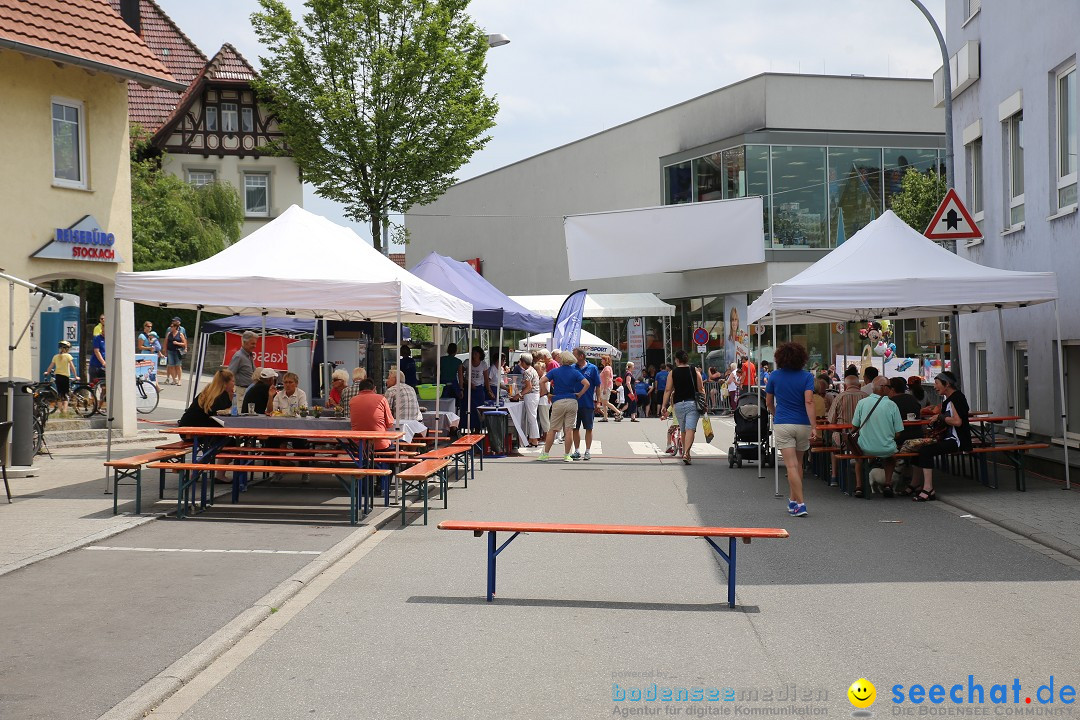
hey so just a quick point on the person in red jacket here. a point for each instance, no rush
(370, 411)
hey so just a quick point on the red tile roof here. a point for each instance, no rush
(399, 258)
(150, 107)
(87, 33)
(230, 66)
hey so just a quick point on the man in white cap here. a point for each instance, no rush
(258, 395)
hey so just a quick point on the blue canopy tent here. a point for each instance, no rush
(491, 307)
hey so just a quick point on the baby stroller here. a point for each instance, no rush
(750, 413)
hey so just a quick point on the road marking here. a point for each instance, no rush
(199, 550)
(705, 449)
(645, 448)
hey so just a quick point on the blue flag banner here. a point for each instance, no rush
(567, 332)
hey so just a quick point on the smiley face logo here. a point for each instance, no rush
(862, 693)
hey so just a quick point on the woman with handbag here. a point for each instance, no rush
(176, 346)
(952, 433)
(686, 391)
(789, 396)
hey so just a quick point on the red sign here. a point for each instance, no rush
(477, 265)
(952, 221)
(276, 355)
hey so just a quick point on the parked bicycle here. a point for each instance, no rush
(147, 396)
(80, 397)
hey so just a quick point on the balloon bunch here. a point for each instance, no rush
(879, 333)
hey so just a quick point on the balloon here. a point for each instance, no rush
(879, 349)
(874, 335)
(888, 353)
(863, 332)
(892, 346)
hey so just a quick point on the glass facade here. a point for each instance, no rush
(814, 196)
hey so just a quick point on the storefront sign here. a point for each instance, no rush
(85, 240)
(275, 356)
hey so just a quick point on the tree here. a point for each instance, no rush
(919, 197)
(174, 223)
(380, 101)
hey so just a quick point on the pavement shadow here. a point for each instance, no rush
(581, 604)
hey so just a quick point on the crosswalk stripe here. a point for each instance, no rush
(198, 550)
(705, 450)
(644, 448)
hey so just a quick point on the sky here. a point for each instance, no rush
(575, 68)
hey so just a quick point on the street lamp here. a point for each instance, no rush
(498, 40)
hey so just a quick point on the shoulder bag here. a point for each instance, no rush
(851, 437)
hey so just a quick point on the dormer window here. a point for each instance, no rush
(247, 120)
(211, 118)
(230, 120)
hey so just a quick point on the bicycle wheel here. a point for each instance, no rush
(83, 401)
(146, 397)
(39, 437)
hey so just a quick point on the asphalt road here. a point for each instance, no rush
(890, 590)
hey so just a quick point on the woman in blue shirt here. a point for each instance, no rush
(789, 396)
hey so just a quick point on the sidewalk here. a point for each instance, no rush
(64, 506)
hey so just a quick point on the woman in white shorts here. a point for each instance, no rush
(789, 396)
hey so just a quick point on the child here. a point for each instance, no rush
(64, 365)
(620, 397)
(674, 443)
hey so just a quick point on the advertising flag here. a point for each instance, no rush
(567, 332)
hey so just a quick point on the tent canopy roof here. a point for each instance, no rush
(889, 270)
(613, 305)
(491, 307)
(302, 264)
(591, 344)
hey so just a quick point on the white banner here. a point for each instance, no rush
(672, 238)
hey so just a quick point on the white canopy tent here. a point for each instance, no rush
(298, 264)
(887, 270)
(592, 345)
(611, 305)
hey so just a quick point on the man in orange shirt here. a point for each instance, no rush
(749, 373)
(369, 411)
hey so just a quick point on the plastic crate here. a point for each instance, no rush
(429, 391)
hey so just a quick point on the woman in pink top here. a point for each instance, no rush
(607, 381)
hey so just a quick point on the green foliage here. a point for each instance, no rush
(419, 333)
(380, 101)
(174, 223)
(919, 197)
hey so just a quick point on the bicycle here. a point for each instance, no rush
(147, 396)
(80, 397)
(41, 417)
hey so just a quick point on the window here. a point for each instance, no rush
(899, 160)
(709, 175)
(971, 7)
(68, 144)
(1014, 131)
(1020, 383)
(211, 118)
(1072, 387)
(678, 184)
(1066, 137)
(756, 164)
(199, 178)
(735, 169)
(229, 120)
(256, 194)
(247, 120)
(854, 190)
(799, 195)
(982, 398)
(975, 178)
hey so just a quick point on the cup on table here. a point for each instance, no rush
(251, 408)
(911, 416)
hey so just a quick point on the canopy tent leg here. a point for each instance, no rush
(400, 340)
(11, 367)
(196, 368)
(1061, 386)
(438, 378)
(468, 379)
(1005, 368)
(111, 363)
(723, 388)
(327, 370)
(954, 348)
(262, 340)
(499, 372)
(776, 465)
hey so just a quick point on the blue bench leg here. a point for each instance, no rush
(161, 484)
(491, 567)
(138, 492)
(732, 545)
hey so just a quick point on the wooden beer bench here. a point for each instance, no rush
(493, 549)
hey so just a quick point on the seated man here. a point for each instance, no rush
(402, 397)
(841, 412)
(258, 395)
(369, 411)
(878, 421)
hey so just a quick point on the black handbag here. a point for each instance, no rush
(699, 402)
(851, 437)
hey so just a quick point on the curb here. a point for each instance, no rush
(1021, 529)
(135, 522)
(155, 691)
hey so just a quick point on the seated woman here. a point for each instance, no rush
(215, 398)
(954, 435)
(339, 380)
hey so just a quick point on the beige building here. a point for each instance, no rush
(215, 129)
(66, 189)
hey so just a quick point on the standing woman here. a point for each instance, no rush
(953, 430)
(530, 395)
(631, 396)
(732, 383)
(683, 383)
(176, 345)
(481, 388)
(607, 385)
(789, 396)
(543, 407)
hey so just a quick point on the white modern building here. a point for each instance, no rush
(826, 154)
(1015, 144)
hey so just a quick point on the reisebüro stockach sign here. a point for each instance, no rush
(85, 241)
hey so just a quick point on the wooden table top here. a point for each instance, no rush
(311, 434)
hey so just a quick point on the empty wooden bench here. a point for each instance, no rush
(1014, 453)
(471, 441)
(458, 453)
(350, 478)
(493, 549)
(130, 468)
(417, 477)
